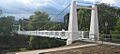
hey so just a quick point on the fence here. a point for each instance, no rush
(110, 38)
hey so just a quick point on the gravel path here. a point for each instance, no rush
(76, 44)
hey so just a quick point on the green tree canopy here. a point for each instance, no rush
(37, 20)
(6, 24)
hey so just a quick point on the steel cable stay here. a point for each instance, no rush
(57, 15)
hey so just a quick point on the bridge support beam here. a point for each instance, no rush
(94, 29)
(73, 24)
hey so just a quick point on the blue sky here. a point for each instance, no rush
(25, 8)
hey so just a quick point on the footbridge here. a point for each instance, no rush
(72, 34)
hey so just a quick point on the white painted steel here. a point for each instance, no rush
(52, 34)
(94, 29)
(73, 23)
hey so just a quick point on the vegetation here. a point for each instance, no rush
(22, 43)
(6, 25)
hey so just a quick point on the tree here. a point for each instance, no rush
(38, 20)
(6, 24)
(116, 30)
(23, 23)
(83, 19)
(109, 14)
(66, 21)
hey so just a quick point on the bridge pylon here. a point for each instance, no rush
(73, 24)
(94, 27)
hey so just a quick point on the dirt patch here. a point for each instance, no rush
(99, 49)
(76, 43)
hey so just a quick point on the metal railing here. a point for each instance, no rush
(55, 34)
(110, 38)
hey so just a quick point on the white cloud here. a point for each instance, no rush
(109, 1)
(25, 4)
(105, 1)
(25, 1)
(24, 7)
(90, 0)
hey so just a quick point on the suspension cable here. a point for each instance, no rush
(58, 15)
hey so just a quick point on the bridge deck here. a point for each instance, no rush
(54, 34)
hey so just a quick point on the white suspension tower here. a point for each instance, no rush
(73, 24)
(94, 25)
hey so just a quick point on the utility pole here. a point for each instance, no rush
(106, 24)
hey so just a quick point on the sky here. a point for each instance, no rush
(25, 8)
